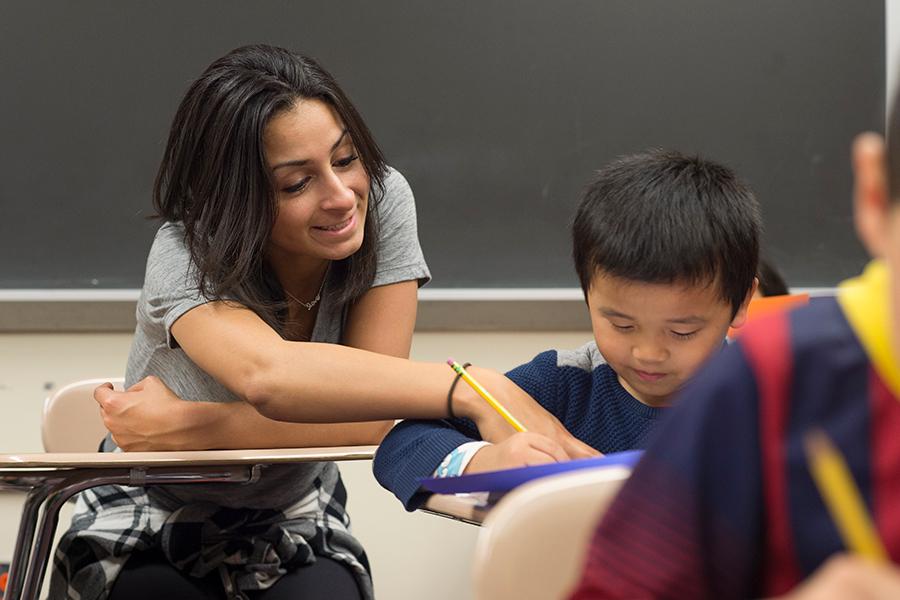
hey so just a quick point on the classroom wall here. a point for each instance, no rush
(408, 552)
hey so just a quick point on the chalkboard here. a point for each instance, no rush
(496, 111)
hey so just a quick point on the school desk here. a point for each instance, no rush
(458, 507)
(52, 478)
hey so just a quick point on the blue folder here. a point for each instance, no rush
(507, 479)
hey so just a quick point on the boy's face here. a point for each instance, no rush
(877, 218)
(656, 336)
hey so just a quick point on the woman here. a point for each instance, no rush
(282, 285)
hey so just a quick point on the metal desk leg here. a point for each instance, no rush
(24, 540)
(37, 565)
(77, 482)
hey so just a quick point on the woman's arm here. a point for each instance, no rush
(309, 382)
(152, 417)
(313, 382)
(383, 321)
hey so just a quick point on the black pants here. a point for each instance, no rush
(148, 576)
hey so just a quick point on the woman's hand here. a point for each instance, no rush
(845, 576)
(519, 450)
(494, 428)
(148, 416)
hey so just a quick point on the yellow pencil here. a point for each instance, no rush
(841, 496)
(486, 395)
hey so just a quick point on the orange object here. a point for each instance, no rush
(767, 305)
(3, 579)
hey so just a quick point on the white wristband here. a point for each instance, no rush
(456, 462)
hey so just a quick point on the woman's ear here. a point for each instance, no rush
(870, 193)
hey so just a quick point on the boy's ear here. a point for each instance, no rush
(740, 317)
(870, 193)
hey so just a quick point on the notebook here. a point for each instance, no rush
(507, 479)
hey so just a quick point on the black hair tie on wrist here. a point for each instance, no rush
(453, 387)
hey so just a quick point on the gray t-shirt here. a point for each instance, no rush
(170, 290)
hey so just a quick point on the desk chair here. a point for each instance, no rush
(766, 305)
(52, 478)
(71, 419)
(532, 544)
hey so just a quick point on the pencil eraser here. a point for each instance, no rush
(450, 361)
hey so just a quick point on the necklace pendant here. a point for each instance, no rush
(309, 305)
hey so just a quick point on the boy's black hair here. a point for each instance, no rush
(771, 283)
(663, 217)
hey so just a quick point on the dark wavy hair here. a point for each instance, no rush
(663, 217)
(215, 180)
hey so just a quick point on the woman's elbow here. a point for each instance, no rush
(258, 390)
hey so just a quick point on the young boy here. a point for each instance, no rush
(666, 250)
(722, 504)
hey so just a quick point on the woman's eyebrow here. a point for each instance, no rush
(301, 162)
(339, 140)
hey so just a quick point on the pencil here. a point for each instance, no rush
(842, 497)
(486, 395)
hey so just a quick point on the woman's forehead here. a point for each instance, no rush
(306, 130)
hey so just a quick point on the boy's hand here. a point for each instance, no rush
(845, 576)
(494, 428)
(519, 450)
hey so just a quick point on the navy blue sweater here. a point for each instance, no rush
(576, 386)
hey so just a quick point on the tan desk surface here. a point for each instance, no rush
(100, 460)
(51, 479)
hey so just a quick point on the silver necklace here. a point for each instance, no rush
(309, 305)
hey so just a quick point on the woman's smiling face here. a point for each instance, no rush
(321, 186)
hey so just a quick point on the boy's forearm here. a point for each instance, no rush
(411, 451)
